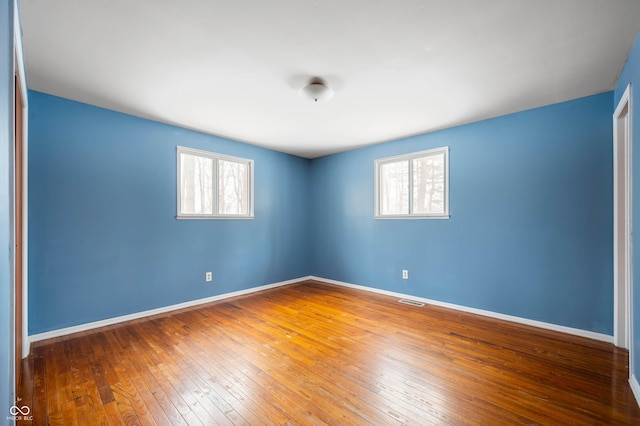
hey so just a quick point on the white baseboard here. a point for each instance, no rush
(115, 320)
(635, 387)
(540, 324)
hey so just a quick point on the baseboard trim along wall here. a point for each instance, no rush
(635, 387)
(115, 320)
(491, 314)
(97, 324)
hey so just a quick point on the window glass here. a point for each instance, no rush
(213, 186)
(394, 188)
(232, 188)
(196, 182)
(428, 184)
(413, 185)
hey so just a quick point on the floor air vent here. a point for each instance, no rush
(411, 302)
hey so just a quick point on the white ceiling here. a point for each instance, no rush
(398, 68)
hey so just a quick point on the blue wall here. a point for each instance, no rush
(631, 75)
(6, 171)
(530, 233)
(103, 237)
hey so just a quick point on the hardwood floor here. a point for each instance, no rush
(313, 353)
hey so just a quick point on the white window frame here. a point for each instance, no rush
(410, 157)
(215, 157)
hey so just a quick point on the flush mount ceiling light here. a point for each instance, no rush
(316, 91)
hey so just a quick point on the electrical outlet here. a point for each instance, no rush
(405, 274)
(208, 276)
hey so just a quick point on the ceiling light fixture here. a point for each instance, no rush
(316, 91)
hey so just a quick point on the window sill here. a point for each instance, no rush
(210, 217)
(412, 217)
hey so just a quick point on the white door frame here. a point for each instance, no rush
(20, 69)
(622, 225)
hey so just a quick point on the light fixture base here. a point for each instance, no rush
(316, 91)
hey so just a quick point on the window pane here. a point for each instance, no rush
(233, 193)
(428, 184)
(196, 184)
(394, 188)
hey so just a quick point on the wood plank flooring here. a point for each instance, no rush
(315, 354)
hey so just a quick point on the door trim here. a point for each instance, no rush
(622, 210)
(18, 156)
(19, 69)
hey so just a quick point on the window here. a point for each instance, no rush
(413, 185)
(214, 186)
